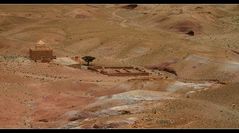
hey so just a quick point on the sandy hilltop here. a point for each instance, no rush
(156, 66)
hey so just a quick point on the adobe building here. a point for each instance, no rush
(41, 52)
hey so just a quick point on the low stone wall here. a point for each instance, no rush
(117, 72)
(119, 67)
(93, 69)
(126, 74)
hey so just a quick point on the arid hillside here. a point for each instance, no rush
(143, 35)
(191, 53)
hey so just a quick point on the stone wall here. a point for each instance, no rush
(119, 71)
(41, 54)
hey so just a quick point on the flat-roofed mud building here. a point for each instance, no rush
(41, 52)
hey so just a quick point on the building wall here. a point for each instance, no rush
(39, 55)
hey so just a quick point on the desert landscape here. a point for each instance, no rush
(154, 66)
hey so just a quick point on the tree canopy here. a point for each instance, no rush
(88, 59)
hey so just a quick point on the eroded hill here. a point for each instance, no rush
(198, 43)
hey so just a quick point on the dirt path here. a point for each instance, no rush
(123, 22)
(34, 76)
(27, 117)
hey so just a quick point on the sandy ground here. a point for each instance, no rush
(203, 94)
